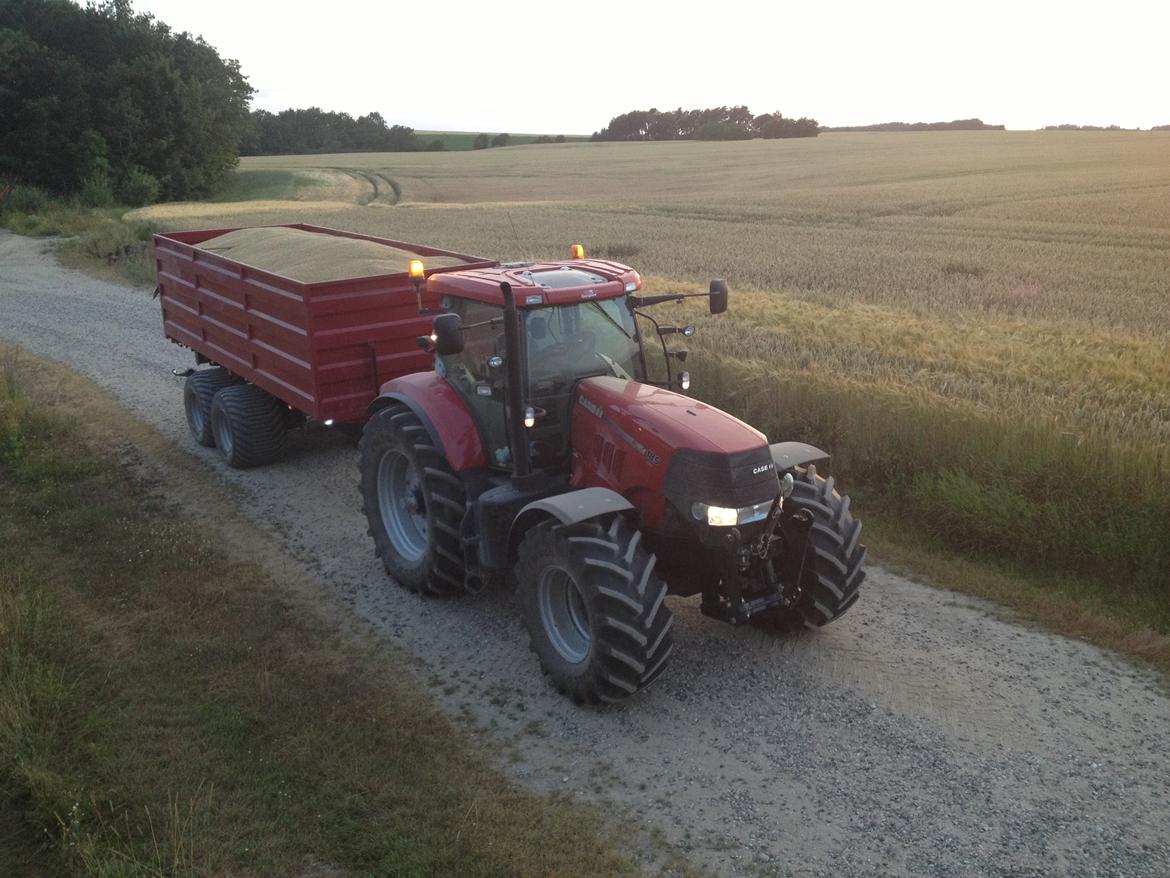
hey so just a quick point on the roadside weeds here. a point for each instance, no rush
(167, 707)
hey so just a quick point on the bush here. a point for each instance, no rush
(482, 141)
(560, 138)
(138, 188)
(96, 191)
(501, 139)
(26, 199)
(436, 145)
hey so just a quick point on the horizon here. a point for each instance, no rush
(1024, 68)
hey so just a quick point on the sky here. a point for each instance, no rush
(567, 68)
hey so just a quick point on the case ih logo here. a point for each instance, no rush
(762, 469)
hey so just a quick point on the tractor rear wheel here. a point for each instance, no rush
(199, 390)
(835, 566)
(413, 502)
(249, 425)
(593, 607)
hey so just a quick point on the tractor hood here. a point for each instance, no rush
(655, 416)
(689, 452)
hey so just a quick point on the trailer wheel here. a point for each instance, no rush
(593, 607)
(835, 568)
(249, 425)
(199, 390)
(413, 502)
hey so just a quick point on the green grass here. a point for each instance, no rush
(167, 709)
(457, 140)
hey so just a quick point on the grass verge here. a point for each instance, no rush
(167, 709)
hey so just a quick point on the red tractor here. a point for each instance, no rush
(539, 447)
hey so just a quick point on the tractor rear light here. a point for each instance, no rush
(684, 380)
(530, 417)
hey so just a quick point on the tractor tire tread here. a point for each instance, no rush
(630, 623)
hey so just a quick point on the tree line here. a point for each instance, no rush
(716, 123)
(112, 104)
(313, 130)
(955, 125)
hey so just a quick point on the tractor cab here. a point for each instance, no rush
(573, 320)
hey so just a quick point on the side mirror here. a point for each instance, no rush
(718, 295)
(448, 334)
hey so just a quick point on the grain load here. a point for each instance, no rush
(313, 257)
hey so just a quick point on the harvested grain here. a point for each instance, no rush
(313, 257)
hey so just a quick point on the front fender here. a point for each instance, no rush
(786, 455)
(568, 508)
(443, 412)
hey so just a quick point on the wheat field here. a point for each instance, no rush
(976, 323)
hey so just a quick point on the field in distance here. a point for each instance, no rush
(976, 323)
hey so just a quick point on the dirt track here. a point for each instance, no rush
(922, 734)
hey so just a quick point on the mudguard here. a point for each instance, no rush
(786, 455)
(442, 411)
(568, 508)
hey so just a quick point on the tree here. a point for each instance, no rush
(501, 139)
(713, 123)
(482, 141)
(313, 130)
(97, 92)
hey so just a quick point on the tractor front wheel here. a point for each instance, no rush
(593, 607)
(413, 502)
(834, 567)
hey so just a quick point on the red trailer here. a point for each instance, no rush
(322, 349)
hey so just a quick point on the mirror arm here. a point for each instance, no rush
(643, 301)
(662, 341)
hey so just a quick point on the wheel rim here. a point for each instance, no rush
(402, 505)
(564, 616)
(194, 413)
(223, 433)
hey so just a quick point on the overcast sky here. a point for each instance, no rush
(549, 67)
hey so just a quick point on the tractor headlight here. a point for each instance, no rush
(722, 516)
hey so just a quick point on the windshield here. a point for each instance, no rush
(570, 342)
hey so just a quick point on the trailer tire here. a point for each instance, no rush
(594, 608)
(249, 425)
(835, 567)
(199, 391)
(401, 471)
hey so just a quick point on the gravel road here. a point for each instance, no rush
(923, 734)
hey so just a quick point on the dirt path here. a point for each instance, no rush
(921, 734)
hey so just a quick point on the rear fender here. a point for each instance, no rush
(442, 411)
(569, 508)
(786, 455)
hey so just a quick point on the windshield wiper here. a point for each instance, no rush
(605, 314)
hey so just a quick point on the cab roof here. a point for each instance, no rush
(537, 284)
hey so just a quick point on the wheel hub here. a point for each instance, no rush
(564, 615)
(402, 505)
